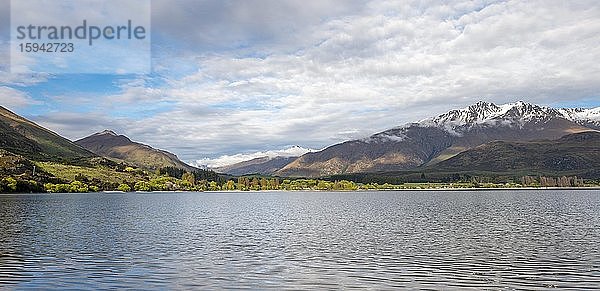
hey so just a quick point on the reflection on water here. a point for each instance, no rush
(379, 240)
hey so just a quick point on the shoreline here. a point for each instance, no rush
(332, 191)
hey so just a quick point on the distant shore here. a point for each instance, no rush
(373, 190)
(348, 191)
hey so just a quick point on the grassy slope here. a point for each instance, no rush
(105, 174)
(23, 137)
(120, 148)
(573, 153)
(146, 157)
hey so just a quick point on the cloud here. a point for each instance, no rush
(373, 71)
(238, 24)
(248, 76)
(13, 98)
(76, 125)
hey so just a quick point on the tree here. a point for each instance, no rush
(189, 177)
(263, 184)
(142, 186)
(230, 185)
(255, 185)
(324, 185)
(8, 184)
(78, 187)
(124, 188)
(241, 185)
(203, 185)
(213, 186)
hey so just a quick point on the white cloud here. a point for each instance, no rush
(13, 98)
(76, 125)
(349, 72)
(363, 73)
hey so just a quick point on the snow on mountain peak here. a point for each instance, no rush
(582, 114)
(476, 113)
(107, 132)
(226, 160)
(488, 114)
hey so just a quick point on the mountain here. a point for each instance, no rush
(578, 153)
(31, 141)
(585, 117)
(120, 148)
(262, 166)
(262, 162)
(226, 160)
(438, 138)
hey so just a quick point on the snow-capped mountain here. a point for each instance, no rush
(261, 166)
(437, 138)
(588, 117)
(246, 163)
(265, 163)
(516, 114)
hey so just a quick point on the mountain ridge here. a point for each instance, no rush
(109, 144)
(23, 137)
(435, 139)
(573, 152)
(261, 165)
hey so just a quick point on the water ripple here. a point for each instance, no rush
(531, 240)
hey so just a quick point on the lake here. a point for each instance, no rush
(530, 239)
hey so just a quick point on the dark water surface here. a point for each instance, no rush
(280, 240)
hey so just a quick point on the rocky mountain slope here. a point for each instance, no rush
(438, 138)
(262, 166)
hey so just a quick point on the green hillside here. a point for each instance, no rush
(578, 152)
(23, 137)
(35, 159)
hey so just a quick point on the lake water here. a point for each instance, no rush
(302, 240)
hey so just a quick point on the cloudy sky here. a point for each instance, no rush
(234, 77)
